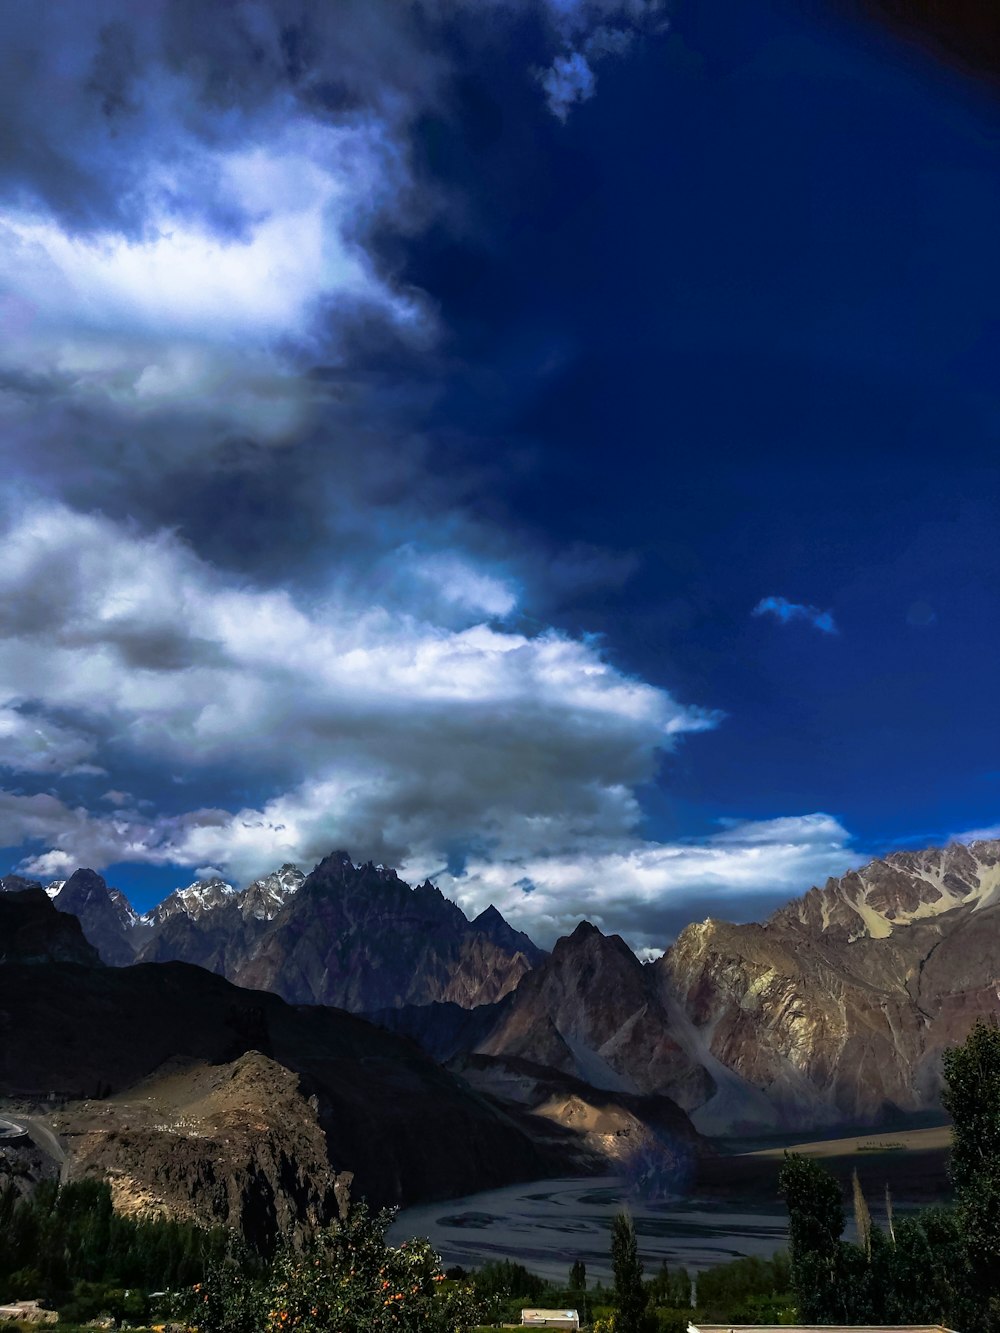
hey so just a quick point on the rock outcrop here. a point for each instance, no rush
(237, 1145)
(592, 1011)
(104, 914)
(357, 937)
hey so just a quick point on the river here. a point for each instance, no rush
(548, 1224)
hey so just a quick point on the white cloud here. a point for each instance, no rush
(646, 890)
(388, 733)
(458, 581)
(305, 195)
(31, 743)
(784, 611)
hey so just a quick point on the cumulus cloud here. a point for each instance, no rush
(201, 231)
(785, 611)
(647, 891)
(393, 734)
(33, 743)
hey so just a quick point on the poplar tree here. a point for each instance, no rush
(630, 1294)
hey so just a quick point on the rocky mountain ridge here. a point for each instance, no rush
(354, 936)
(835, 1010)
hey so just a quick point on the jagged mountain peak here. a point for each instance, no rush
(588, 940)
(899, 890)
(264, 898)
(104, 913)
(18, 884)
(487, 916)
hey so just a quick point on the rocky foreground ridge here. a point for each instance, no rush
(200, 1099)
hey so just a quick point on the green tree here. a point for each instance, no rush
(578, 1276)
(350, 1279)
(972, 1098)
(815, 1225)
(630, 1294)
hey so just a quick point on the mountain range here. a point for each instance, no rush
(836, 1009)
(353, 936)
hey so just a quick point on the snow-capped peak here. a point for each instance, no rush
(206, 891)
(54, 888)
(264, 898)
(194, 900)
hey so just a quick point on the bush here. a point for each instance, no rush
(348, 1279)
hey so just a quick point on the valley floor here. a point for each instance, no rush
(734, 1208)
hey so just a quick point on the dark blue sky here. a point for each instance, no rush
(742, 314)
(406, 418)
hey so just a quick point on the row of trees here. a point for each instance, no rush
(937, 1266)
(66, 1245)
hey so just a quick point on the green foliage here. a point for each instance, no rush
(670, 1287)
(63, 1242)
(630, 1294)
(578, 1276)
(507, 1279)
(815, 1225)
(350, 1279)
(972, 1097)
(939, 1266)
(746, 1291)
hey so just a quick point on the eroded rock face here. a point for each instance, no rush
(236, 1145)
(839, 1007)
(406, 1128)
(104, 914)
(593, 1011)
(360, 938)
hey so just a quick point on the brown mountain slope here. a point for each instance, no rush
(236, 1144)
(591, 1010)
(838, 1008)
(405, 1127)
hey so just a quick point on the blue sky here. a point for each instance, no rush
(551, 446)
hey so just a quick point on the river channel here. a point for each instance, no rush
(548, 1224)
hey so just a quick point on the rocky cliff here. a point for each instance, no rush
(592, 1011)
(357, 937)
(201, 1098)
(105, 915)
(838, 1008)
(237, 1145)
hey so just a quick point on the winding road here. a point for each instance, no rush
(40, 1135)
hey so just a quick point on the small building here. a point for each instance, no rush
(550, 1319)
(28, 1312)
